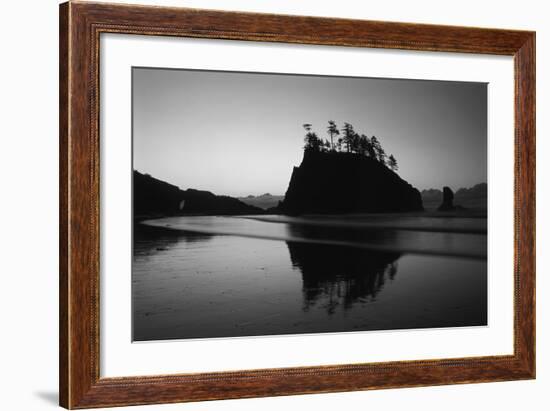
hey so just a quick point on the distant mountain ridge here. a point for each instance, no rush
(157, 198)
(339, 182)
(264, 201)
(473, 197)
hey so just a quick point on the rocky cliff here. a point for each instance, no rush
(336, 183)
(154, 198)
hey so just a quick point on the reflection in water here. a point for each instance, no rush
(460, 237)
(344, 234)
(340, 276)
(192, 284)
(149, 240)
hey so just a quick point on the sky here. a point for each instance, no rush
(237, 134)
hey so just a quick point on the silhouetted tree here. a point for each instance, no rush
(356, 143)
(369, 148)
(332, 130)
(361, 146)
(351, 140)
(382, 156)
(392, 163)
(312, 142)
(339, 144)
(349, 134)
(379, 151)
(364, 144)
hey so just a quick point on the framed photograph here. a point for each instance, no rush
(258, 205)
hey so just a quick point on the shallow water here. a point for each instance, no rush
(226, 277)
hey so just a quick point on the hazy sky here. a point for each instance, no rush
(241, 133)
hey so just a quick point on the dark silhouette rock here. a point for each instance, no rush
(155, 198)
(276, 209)
(337, 183)
(447, 204)
(473, 198)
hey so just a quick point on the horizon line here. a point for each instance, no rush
(282, 194)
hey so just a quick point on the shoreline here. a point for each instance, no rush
(366, 221)
(349, 234)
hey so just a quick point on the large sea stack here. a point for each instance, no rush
(337, 183)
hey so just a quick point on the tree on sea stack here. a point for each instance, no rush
(392, 163)
(364, 145)
(349, 134)
(312, 142)
(332, 130)
(354, 143)
(380, 153)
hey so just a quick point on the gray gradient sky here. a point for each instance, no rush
(241, 133)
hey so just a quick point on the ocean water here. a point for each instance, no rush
(208, 276)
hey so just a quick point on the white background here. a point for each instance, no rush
(29, 164)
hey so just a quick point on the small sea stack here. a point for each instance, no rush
(448, 197)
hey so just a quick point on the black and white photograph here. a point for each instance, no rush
(272, 204)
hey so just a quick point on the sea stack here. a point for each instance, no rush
(341, 183)
(448, 196)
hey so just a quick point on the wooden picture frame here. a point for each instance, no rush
(80, 27)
